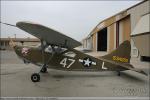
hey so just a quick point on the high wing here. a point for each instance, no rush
(49, 35)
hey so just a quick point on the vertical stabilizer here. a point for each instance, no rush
(121, 54)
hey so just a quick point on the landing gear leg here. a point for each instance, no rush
(35, 77)
(43, 69)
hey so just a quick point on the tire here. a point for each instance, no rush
(43, 70)
(35, 77)
(119, 74)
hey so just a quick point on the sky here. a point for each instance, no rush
(75, 19)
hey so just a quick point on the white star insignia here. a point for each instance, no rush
(87, 62)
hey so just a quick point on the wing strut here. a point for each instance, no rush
(65, 44)
(43, 45)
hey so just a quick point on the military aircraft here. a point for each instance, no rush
(57, 51)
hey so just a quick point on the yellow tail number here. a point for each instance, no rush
(120, 59)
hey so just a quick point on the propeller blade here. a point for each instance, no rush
(12, 44)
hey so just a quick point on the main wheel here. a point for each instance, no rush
(35, 77)
(43, 70)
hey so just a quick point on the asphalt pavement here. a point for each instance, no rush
(16, 81)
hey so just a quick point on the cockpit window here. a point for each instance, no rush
(48, 49)
(55, 49)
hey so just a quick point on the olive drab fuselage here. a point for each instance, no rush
(64, 61)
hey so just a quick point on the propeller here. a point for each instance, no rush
(12, 44)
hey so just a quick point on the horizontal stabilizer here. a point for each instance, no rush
(138, 70)
(125, 65)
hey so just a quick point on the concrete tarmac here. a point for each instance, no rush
(15, 81)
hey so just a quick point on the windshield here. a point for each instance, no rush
(55, 49)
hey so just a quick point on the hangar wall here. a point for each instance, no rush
(120, 27)
(136, 13)
(111, 37)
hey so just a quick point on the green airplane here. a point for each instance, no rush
(57, 52)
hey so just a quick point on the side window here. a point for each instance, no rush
(48, 49)
(55, 49)
(58, 49)
(70, 54)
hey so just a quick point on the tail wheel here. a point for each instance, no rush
(43, 70)
(119, 73)
(35, 77)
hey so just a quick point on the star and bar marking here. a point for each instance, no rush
(87, 62)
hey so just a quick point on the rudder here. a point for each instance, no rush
(121, 54)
